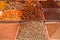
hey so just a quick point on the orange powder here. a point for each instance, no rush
(11, 15)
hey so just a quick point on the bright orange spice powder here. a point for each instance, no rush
(11, 15)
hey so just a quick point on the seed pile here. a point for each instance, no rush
(32, 30)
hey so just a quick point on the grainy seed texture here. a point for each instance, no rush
(32, 30)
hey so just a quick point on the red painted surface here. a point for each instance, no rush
(8, 31)
(53, 30)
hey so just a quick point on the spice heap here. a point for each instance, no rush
(32, 30)
(11, 15)
(8, 11)
(2, 5)
(30, 10)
